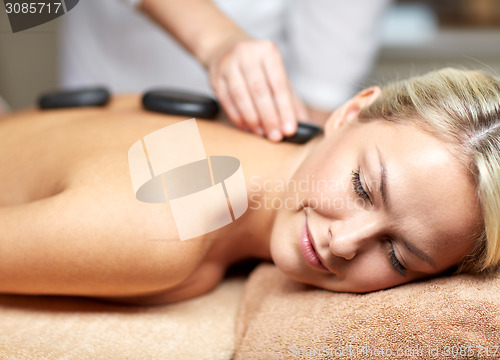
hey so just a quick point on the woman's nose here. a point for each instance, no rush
(348, 237)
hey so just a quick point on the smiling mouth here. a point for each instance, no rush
(306, 245)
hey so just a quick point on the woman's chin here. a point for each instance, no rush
(291, 268)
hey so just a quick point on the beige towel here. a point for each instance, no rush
(445, 318)
(37, 327)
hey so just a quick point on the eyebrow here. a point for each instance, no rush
(384, 193)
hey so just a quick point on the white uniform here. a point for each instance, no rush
(328, 46)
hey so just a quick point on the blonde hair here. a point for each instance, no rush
(461, 107)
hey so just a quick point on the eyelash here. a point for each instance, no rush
(360, 191)
(358, 187)
(394, 260)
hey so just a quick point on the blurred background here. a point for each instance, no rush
(416, 36)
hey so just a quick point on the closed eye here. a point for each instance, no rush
(396, 264)
(358, 186)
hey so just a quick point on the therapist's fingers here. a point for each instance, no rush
(262, 97)
(222, 93)
(283, 95)
(228, 81)
(242, 98)
(225, 87)
(256, 87)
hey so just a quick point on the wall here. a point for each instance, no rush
(28, 62)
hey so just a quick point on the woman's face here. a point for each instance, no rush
(377, 205)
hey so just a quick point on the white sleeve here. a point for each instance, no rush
(331, 47)
(133, 3)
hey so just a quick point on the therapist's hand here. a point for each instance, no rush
(247, 75)
(250, 81)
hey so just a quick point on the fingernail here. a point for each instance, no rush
(275, 135)
(288, 128)
(259, 131)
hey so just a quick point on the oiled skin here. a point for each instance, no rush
(70, 223)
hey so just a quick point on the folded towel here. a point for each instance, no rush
(443, 318)
(70, 328)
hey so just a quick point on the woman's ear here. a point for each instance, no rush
(350, 110)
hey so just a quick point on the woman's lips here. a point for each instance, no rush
(306, 246)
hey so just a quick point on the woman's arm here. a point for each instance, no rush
(91, 241)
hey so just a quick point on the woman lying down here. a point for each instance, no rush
(404, 185)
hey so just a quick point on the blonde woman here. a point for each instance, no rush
(404, 185)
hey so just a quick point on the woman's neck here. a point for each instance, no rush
(249, 236)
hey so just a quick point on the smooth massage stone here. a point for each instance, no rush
(183, 103)
(305, 132)
(97, 96)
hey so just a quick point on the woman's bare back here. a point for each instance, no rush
(70, 221)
